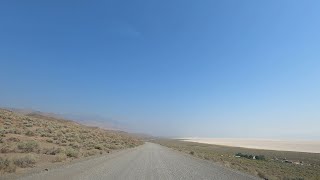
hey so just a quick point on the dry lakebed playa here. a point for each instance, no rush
(267, 144)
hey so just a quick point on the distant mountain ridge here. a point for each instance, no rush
(89, 120)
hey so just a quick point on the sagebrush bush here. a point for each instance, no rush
(59, 158)
(29, 125)
(91, 153)
(6, 165)
(98, 146)
(49, 140)
(5, 149)
(13, 139)
(29, 146)
(30, 133)
(70, 152)
(52, 151)
(17, 131)
(75, 145)
(27, 161)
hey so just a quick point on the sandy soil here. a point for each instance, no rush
(282, 145)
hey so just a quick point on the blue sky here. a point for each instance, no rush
(173, 68)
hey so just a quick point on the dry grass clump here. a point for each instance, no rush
(52, 140)
(269, 168)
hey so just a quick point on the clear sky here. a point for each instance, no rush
(176, 68)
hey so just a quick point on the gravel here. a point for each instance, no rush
(147, 162)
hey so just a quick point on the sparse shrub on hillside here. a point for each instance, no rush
(5, 149)
(13, 139)
(27, 161)
(70, 152)
(29, 125)
(6, 165)
(59, 158)
(98, 146)
(8, 130)
(3, 163)
(29, 146)
(91, 153)
(30, 133)
(191, 152)
(52, 151)
(43, 134)
(75, 145)
(16, 131)
(49, 140)
(111, 146)
(50, 130)
(59, 134)
(70, 139)
(27, 119)
(2, 132)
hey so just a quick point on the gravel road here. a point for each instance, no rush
(147, 162)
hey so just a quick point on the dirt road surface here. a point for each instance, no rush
(147, 162)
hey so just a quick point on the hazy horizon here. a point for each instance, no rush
(118, 124)
(243, 69)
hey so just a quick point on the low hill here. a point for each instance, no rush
(32, 139)
(89, 120)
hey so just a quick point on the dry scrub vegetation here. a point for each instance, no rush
(32, 140)
(272, 168)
